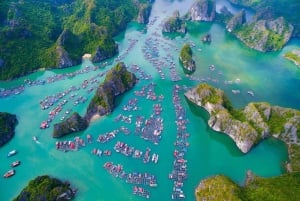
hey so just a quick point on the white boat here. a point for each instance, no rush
(11, 153)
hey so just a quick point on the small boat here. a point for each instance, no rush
(34, 138)
(11, 153)
(15, 163)
(9, 173)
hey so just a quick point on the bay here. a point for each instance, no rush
(270, 76)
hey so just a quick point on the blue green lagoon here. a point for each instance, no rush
(154, 58)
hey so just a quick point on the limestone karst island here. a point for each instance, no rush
(154, 99)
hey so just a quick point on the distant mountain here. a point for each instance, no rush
(56, 33)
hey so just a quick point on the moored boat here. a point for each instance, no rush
(11, 153)
(15, 163)
(9, 173)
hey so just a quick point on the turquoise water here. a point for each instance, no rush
(270, 76)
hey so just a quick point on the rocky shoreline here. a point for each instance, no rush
(248, 126)
(293, 56)
(8, 122)
(46, 188)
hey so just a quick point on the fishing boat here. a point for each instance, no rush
(15, 163)
(11, 153)
(9, 173)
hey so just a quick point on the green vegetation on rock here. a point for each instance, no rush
(186, 58)
(46, 188)
(174, 24)
(74, 123)
(248, 126)
(281, 188)
(289, 9)
(45, 34)
(218, 188)
(117, 81)
(294, 56)
(265, 35)
(8, 123)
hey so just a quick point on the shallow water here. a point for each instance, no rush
(270, 76)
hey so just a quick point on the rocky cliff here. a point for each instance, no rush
(265, 35)
(236, 21)
(74, 123)
(250, 125)
(117, 81)
(203, 10)
(174, 24)
(144, 13)
(46, 188)
(186, 58)
(63, 59)
(8, 123)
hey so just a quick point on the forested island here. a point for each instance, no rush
(220, 187)
(56, 34)
(249, 125)
(46, 188)
(186, 58)
(8, 122)
(117, 81)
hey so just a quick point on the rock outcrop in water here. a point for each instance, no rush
(248, 126)
(144, 13)
(203, 10)
(236, 21)
(294, 56)
(117, 81)
(186, 58)
(8, 122)
(46, 188)
(265, 35)
(74, 123)
(174, 24)
(105, 51)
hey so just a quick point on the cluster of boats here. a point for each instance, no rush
(14, 164)
(132, 43)
(141, 75)
(136, 178)
(73, 145)
(179, 172)
(123, 148)
(131, 105)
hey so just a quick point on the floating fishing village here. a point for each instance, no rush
(60, 106)
(153, 141)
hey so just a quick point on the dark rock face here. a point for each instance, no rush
(117, 81)
(1, 62)
(236, 21)
(74, 123)
(144, 13)
(63, 59)
(102, 53)
(175, 24)
(8, 123)
(203, 10)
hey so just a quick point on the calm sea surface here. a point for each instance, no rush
(269, 76)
